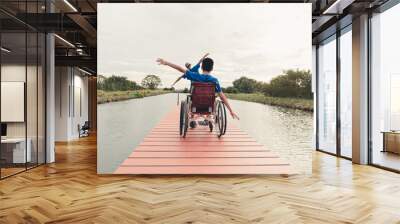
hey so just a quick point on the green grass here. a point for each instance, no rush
(294, 103)
(113, 96)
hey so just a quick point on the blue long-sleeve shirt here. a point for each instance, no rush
(194, 75)
(195, 68)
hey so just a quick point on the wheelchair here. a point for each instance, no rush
(202, 103)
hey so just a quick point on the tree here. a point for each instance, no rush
(230, 89)
(170, 89)
(293, 83)
(116, 83)
(246, 85)
(151, 81)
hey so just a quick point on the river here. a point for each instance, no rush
(122, 126)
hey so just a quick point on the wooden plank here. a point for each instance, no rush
(195, 139)
(196, 154)
(205, 144)
(200, 148)
(176, 133)
(136, 161)
(203, 137)
(205, 170)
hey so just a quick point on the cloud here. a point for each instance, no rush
(255, 40)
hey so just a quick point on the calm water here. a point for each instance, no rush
(122, 126)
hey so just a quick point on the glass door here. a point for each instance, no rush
(346, 92)
(327, 95)
(385, 89)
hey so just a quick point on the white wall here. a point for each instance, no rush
(70, 84)
(13, 73)
(62, 82)
(80, 110)
(13, 101)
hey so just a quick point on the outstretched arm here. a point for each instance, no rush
(197, 66)
(174, 66)
(201, 60)
(225, 100)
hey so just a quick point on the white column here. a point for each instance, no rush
(314, 91)
(360, 90)
(50, 99)
(63, 101)
(50, 92)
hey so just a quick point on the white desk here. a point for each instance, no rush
(18, 151)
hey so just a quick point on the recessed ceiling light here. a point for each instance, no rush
(64, 40)
(84, 71)
(337, 7)
(70, 5)
(5, 50)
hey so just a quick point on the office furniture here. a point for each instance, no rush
(391, 141)
(84, 129)
(13, 150)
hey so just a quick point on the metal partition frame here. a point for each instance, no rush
(339, 32)
(44, 75)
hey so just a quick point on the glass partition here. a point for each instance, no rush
(14, 153)
(385, 89)
(327, 95)
(346, 92)
(23, 89)
(32, 100)
(32, 97)
(41, 109)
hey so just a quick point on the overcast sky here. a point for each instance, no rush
(256, 40)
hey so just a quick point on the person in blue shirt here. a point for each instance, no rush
(197, 66)
(191, 74)
(189, 66)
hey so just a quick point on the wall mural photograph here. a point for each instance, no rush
(195, 89)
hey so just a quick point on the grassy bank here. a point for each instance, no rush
(295, 103)
(112, 96)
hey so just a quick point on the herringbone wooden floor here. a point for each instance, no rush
(70, 191)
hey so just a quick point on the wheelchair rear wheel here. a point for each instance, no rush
(181, 116)
(221, 119)
(183, 119)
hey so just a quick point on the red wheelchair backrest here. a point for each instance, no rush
(203, 97)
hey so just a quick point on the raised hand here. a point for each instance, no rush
(201, 60)
(161, 61)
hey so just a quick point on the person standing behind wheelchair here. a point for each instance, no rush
(192, 74)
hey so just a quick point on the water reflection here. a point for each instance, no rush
(287, 132)
(122, 126)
